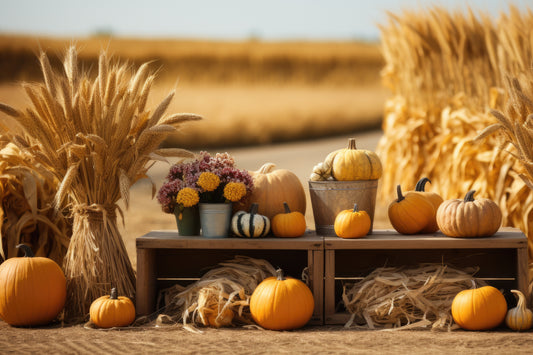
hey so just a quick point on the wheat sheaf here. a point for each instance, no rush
(98, 138)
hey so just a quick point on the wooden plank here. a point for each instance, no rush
(329, 286)
(316, 273)
(171, 240)
(523, 271)
(146, 282)
(389, 239)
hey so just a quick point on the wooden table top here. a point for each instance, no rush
(379, 239)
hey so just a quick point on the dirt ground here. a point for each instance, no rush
(145, 215)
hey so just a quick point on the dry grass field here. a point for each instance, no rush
(249, 92)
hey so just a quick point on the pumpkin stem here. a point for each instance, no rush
(279, 275)
(469, 197)
(474, 286)
(287, 209)
(114, 294)
(266, 168)
(351, 143)
(399, 192)
(355, 208)
(521, 299)
(254, 208)
(421, 184)
(27, 250)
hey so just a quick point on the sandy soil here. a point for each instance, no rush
(144, 215)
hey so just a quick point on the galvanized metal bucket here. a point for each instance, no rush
(328, 198)
(215, 219)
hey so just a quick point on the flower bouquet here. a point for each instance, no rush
(204, 180)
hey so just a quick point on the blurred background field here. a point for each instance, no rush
(250, 92)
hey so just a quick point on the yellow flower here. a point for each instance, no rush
(187, 197)
(234, 191)
(208, 181)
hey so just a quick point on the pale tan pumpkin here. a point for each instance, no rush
(351, 164)
(272, 187)
(469, 217)
(520, 317)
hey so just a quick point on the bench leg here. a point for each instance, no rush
(146, 282)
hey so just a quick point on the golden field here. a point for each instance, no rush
(249, 92)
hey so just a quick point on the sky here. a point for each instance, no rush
(219, 19)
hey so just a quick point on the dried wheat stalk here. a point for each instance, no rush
(96, 137)
(402, 298)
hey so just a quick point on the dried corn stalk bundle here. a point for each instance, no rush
(26, 194)
(221, 296)
(446, 70)
(97, 138)
(406, 298)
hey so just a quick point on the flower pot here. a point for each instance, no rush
(215, 219)
(188, 220)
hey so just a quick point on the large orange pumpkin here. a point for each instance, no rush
(280, 303)
(272, 188)
(33, 290)
(479, 308)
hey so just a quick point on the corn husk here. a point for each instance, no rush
(26, 193)
(450, 74)
(406, 298)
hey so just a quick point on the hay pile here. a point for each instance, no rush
(446, 72)
(220, 298)
(401, 298)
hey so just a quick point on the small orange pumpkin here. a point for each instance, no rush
(479, 308)
(352, 223)
(33, 290)
(280, 303)
(411, 213)
(469, 217)
(435, 199)
(112, 311)
(288, 224)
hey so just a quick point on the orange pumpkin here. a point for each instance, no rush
(112, 311)
(280, 303)
(33, 290)
(288, 224)
(469, 217)
(435, 200)
(352, 223)
(272, 188)
(479, 308)
(411, 213)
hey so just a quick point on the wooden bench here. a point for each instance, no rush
(502, 260)
(165, 258)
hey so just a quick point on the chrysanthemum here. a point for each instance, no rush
(234, 191)
(208, 181)
(187, 197)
